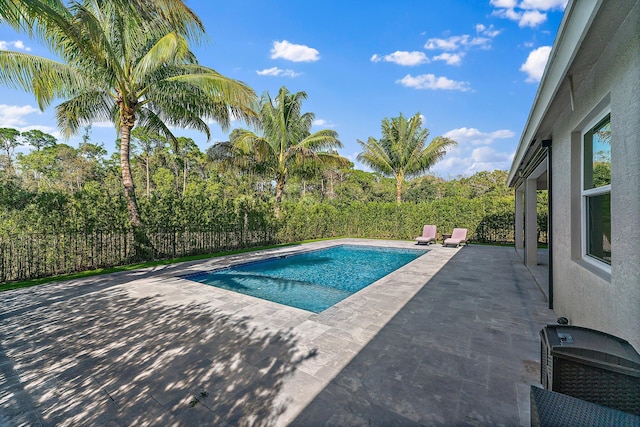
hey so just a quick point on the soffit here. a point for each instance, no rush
(595, 43)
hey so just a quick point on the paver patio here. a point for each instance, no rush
(449, 339)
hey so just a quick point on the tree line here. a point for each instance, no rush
(56, 186)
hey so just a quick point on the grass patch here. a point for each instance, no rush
(34, 282)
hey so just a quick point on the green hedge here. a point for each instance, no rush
(487, 219)
(246, 223)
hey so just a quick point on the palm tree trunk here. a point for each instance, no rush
(127, 180)
(279, 188)
(143, 249)
(399, 180)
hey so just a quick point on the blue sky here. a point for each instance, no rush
(471, 68)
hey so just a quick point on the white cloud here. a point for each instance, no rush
(322, 123)
(474, 136)
(294, 52)
(450, 58)
(529, 13)
(474, 152)
(457, 42)
(457, 163)
(430, 81)
(453, 45)
(486, 158)
(402, 58)
(532, 18)
(275, 71)
(14, 115)
(487, 31)
(543, 4)
(17, 44)
(535, 63)
(510, 14)
(504, 3)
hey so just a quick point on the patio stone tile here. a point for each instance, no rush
(451, 338)
(326, 368)
(355, 335)
(15, 402)
(455, 366)
(311, 330)
(323, 410)
(374, 415)
(479, 408)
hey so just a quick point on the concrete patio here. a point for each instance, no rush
(451, 338)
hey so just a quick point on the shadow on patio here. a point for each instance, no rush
(462, 352)
(104, 358)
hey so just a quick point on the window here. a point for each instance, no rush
(596, 191)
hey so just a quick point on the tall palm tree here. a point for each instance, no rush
(285, 141)
(127, 62)
(402, 151)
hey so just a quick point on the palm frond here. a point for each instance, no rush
(248, 143)
(150, 121)
(332, 159)
(321, 140)
(173, 14)
(82, 110)
(238, 97)
(376, 155)
(45, 78)
(169, 49)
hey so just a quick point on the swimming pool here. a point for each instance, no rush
(312, 281)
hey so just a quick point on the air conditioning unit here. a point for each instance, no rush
(590, 365)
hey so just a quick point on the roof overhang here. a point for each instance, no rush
(577, 19)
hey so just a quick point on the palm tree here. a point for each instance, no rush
(401, 152)
(286, 141)
(127, 62)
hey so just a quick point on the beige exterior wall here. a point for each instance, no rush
(586, 295)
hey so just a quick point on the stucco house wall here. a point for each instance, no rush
(585, 294)
(593, 70)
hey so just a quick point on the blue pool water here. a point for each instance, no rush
(312, 281)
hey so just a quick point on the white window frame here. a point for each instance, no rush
(585, 194)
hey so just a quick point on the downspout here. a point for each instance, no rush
(547, 144)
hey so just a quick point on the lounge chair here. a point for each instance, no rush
(428, 235)
(458, 236)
